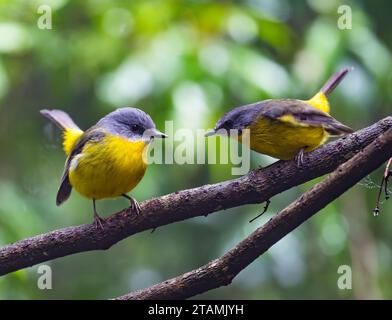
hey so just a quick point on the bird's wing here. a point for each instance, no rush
(91, 135)
(299, 113)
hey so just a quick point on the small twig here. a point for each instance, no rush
(267, 203)
(387, 175)
(384, 183)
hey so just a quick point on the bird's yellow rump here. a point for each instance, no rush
(286, 128)
(107, 160)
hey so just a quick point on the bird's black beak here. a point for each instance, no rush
(210, 133)
(154, 133)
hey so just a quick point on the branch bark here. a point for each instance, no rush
(221, 271)
(255, 187)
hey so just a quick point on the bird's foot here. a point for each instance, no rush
(299, 157)
(135, 206)
(99, 222)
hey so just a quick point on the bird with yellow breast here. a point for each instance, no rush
(109, 159)
(286, 128)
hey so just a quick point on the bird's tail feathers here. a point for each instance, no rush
(60, 118)
(320, 99)
(71, 132)
(334, 81)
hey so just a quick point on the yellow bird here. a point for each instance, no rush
(286, 128)
(108, 160)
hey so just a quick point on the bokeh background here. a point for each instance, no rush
(189, 61)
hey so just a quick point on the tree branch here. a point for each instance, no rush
(255, 187)
(221, 271)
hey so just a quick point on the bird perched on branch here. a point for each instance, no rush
(107, 160)
(286, 128)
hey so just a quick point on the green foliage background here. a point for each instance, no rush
(189, 61)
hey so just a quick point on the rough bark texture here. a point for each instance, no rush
(255, 187)
(221, 271)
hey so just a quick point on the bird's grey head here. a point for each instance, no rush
(131, 123)
(237, 119)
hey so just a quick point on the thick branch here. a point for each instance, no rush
(255, 187)
(221, 271)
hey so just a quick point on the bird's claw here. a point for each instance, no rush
(135, 206)
(299, 158)
(99, 222)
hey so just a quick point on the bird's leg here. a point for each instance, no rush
(98, 221)
(267, 203)
(134, 204)
(299, 157)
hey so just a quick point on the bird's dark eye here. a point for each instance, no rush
(137, 128)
